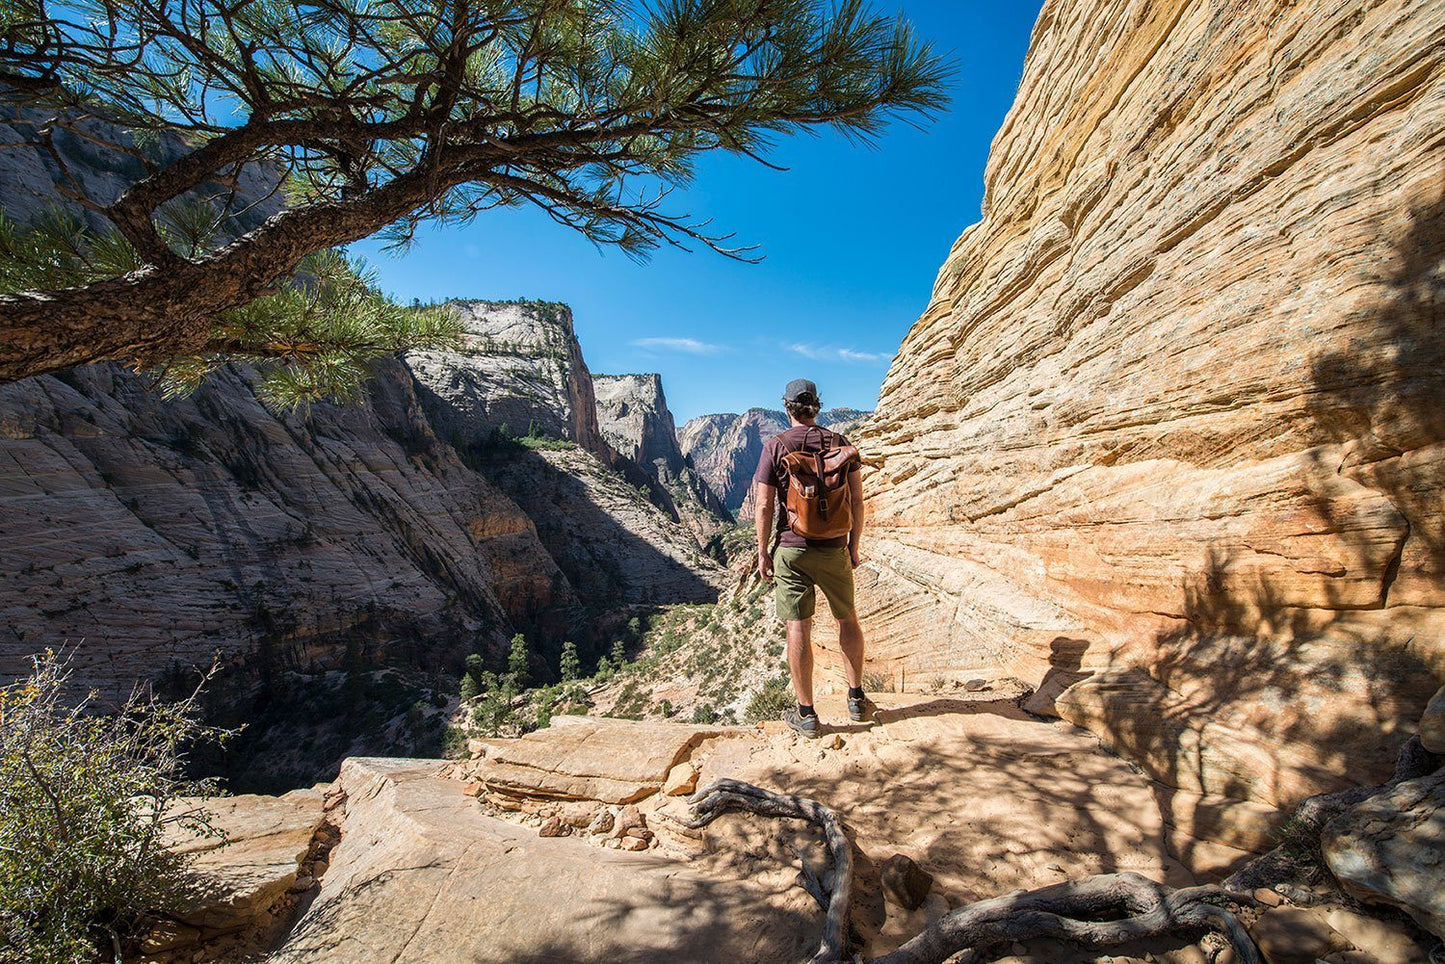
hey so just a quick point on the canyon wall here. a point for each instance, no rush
(633, 415)
(1174, 419)
(634, 418)
(147, 532)
(518, 370)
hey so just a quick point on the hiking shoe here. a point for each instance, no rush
(862, 709)
(807, 726)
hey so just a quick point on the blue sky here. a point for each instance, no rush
(852, 239)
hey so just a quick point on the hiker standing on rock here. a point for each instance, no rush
(811, 475)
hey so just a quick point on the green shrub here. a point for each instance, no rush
(87, 800)
(770, 701)
(875, 682)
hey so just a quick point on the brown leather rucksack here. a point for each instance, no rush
(819, 504)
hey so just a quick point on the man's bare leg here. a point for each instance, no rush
(800, 659)
(850, 641)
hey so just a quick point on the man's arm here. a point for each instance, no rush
(855, 493)
(764, 499)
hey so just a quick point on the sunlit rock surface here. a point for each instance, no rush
(518, 370)
(1176, 411)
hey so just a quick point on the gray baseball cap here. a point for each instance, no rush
(799, 387)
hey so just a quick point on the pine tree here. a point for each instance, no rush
(382, 117)
(619, 653)
(568, 665)
(518, 659)
(467, 690)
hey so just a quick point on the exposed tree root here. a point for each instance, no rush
(720, 796)
(1298, 857)
(1100, 911)
(1104, 910)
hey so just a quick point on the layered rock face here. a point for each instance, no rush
(1175, 416)
(518, 370)
(633, 415)
(29, 176)
(614, 545)
(149, 533)
(725, 448)
(635, 420)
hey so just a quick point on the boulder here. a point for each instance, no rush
(1391, 849)
(904, 882)
(243, 877)
(681, 780)
(1385, 941)
(612, 761)
(1432, 723)
(629, 819)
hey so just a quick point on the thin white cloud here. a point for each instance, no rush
(690, 346)
(827, 353)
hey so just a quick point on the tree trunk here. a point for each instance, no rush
(158, 313)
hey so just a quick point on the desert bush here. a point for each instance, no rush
(86, 800)
(875, 682)
(770, 701)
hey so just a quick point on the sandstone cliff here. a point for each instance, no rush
(1175, 415)
(311, 550)
(518, 370)
(633, 414)
(157, 532)
(725, 448)
(613, 543)
(635, 420)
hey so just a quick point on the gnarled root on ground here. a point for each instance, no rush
(1100, 911)
(1298, 858)
(720, 796)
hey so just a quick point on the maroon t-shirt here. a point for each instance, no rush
(770, 472)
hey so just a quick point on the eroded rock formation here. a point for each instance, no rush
(633, 415)
(147, 533)
(517, 371)
(635, 420)
(1175, 415)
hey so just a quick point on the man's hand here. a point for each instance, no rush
(853, 556)
(765, 564)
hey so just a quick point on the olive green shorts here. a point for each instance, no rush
(797, 571)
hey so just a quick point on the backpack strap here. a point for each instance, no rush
(822, 496)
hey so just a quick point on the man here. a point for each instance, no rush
(800, 564)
